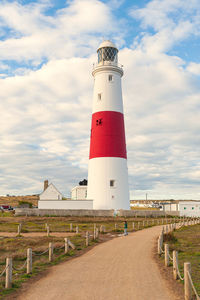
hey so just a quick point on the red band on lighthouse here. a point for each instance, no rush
(107, 135)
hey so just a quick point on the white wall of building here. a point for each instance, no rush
(51, 193)
(189, 208)
(79, 192)
(170, 207)
(101, 171)
(65, 204)
(111, 92)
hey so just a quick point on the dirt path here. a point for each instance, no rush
(120, 269)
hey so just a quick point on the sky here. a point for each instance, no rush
(47, 50)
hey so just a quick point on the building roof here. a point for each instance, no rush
(107, 43)
(51, 184)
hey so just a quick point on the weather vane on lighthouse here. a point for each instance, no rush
(107, 172)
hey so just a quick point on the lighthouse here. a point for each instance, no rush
(108, 172)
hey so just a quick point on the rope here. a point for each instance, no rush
(57, 248)
(19, 269)
(161, 250)
(6, 267)
(191, 282)
(170, 256)
(178, 272)
(38, 254)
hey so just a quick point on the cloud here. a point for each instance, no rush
(170, 21)
(46, 96)
(33, 35)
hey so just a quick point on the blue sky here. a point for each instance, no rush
(47, 49)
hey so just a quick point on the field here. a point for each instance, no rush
(14, 200)
(187, 242)
(16, 246)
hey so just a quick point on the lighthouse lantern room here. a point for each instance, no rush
(108, 173)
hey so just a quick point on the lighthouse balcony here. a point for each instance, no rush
(107, 66)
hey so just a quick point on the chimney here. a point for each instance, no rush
(46, 183)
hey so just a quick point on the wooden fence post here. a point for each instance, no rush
(19, 229)
(115, 226)
(97, 232)
(50, 251)
(143, 223)
(187, 284)
(159, 246)
(94, 235)
(138, 225)
(133, 226)
(29, 261)
(175, 265)
(166, 255)
(87, 239)
(77, 229)
(8, 283)
(66, 245)
(71, 227)
(48, 230)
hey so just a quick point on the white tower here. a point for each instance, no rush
(108, 173)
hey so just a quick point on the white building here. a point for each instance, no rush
(107, 171)
(189, 208)
(51, 198)
(51, 193)
(79, 192)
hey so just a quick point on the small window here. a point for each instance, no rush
(112, 183)
(99, 122)
(110, 77)
(99, 97)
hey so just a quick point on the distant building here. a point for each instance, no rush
(79, 192)
(187, 208)
(50, 192)
(51, 198)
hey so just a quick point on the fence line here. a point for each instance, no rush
(188, 283)
(28, 262)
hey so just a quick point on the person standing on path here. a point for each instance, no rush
(125, 228)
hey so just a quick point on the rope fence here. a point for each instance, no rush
(8, 270)
(188, 283)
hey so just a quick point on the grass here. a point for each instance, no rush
(186, 241)
(17, 246)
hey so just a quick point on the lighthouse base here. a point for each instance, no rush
(108, 183)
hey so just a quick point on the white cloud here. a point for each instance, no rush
(45, 113)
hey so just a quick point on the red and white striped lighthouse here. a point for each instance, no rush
(108, 173)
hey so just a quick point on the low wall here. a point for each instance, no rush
(92, 212)
(65, 204)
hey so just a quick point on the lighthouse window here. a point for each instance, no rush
(110, 77)
(99, 96)
(112, 183)
(98, 122)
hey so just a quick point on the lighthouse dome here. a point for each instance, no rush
(107, 52)
(107, 44)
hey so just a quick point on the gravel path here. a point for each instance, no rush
(120, 269)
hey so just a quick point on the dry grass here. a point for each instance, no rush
(186, 241)
(14, 200)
